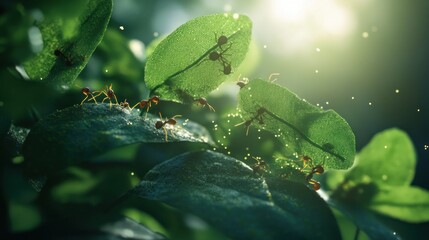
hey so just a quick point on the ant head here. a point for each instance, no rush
(125, 103)
(227, 69)
(154, 99)
(306, 159)
(172, 121)
(318, 169)
(159, 124)
(316, 186)
(202, 100)
(222, 40)
(85, 90)
(241, 84)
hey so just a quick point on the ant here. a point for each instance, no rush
(125, 104)
(109, 93)
(161, 124)
(147, 103)
(318, 169)
(260, 166)
(258, 116)
(85, 91)
(242, 83)
(203, 102)
(67, 60)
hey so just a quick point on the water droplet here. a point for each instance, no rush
(214, 149)
(226, 148)
(365, 34)
(132, 173)
(418, 109)
(235, 16)
(327, 103)
(259, 138)
(397, 91)
(229, 153)
(245, 158)
(394, 233)
(121, 28)
(317, 104)
(353, 98)
(265, 46)
(316, 71)
(384, 177)
(370, 103)
(426, 147)
(107, 70)
(155, 34)
(317, 49)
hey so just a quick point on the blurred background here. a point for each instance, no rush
(367, 60)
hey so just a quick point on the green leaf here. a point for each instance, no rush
(407, 203)
(304, 129)
(64, 54)
(389, 159)
(79, 133)
(366, 221)
(232, 198)
(179, 69)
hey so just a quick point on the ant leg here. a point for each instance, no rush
(84, 100)
(116, 99)
(135, 105)
(166, 134)
(93, 98)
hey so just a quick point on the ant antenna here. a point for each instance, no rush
(271, 75)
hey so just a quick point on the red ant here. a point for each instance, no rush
(85, 91)
(67, 60)
(318, 169)
(203, 102)
(258, 116)
(260, 166)
(125, 104)
(161, 124)
(147, 103)
(109, 93)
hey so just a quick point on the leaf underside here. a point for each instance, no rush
(79, 133)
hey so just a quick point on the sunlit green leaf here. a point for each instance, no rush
(407, 203)
(179, 69)
(304, 129)
(64, 54)
(232, 198)
(76, 134)
(389, 159)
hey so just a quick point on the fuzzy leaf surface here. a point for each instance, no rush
(180, 70)
(304, 129)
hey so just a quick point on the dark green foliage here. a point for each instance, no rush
(81, 132)
(231, 196)
(65, 54)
